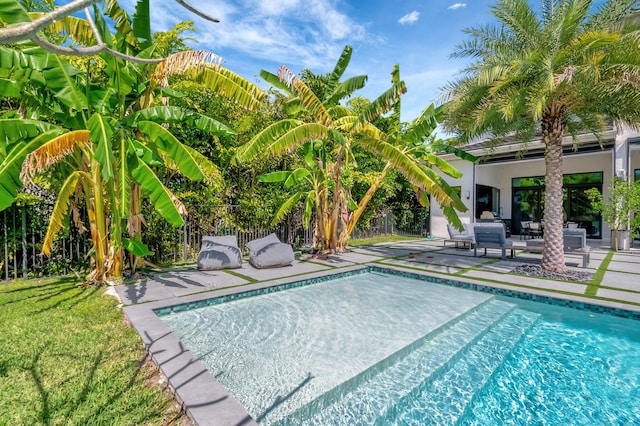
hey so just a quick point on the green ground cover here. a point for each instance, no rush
(381, 239)
(68, 358)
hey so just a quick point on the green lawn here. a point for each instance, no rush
(68, 358)
(381, 239)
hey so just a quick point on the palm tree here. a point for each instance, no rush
(560, 72)
(338, 128)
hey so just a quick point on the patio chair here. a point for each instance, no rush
(491, 237)
(219, 253)
(269, 252)
(524, 229)
(535, 230)
(457, 237)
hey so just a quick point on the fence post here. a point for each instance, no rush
(6, 248)
(184, 252)
(24, 241)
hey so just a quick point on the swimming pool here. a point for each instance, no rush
(377, 348)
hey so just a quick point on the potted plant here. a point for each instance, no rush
(621, 210)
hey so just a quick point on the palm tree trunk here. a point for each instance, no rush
(552, 133)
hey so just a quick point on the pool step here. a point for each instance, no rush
(364, 398)
(443, 398)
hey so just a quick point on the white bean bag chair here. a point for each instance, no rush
(269, 252)
(219, 253)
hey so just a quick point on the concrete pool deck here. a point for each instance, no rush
(208, 403)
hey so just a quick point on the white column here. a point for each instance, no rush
(621, 152)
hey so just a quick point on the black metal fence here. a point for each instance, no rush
(23, 228)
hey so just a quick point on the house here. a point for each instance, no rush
(509, 179)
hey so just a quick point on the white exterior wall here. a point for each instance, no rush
(500, 175)
(438, 224)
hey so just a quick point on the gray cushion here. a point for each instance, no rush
(257, 244)
(225, 240)
(269, 252)
(219, 253)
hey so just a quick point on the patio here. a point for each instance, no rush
(620, 286)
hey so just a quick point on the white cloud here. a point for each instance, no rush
(457, 6)
(409, 18)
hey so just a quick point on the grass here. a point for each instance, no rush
(67, 357)
(596, 281)
(381, 239)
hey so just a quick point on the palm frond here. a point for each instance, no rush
(520, 19)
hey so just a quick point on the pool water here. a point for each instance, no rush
(376, 348)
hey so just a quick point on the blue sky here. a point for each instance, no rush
(264, 34)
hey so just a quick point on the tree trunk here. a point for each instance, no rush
(362, 205)
(552, 132)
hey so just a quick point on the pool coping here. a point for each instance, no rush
(207, 402)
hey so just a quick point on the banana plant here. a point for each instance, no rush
(113, 137)
(415, 153)
(310, 183)
(323, 117)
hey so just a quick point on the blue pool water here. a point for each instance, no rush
(376, 348)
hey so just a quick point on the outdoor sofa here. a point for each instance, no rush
(269, 252)
(219, 253)
(574, 241)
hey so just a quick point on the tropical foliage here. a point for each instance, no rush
(108, 140)
(565, 70)
(329, 132)
(621, 209)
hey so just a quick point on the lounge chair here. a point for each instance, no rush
(219, 253)
(491, 236)
(457, 237)
(269, 252)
